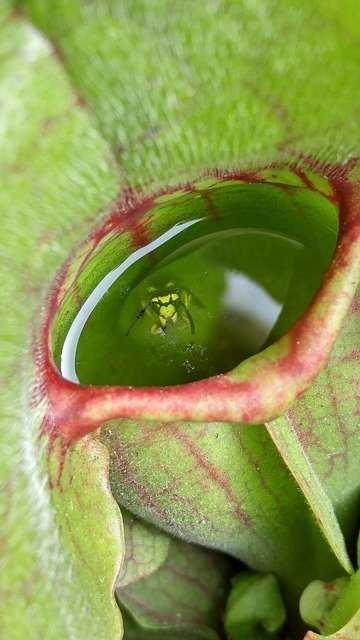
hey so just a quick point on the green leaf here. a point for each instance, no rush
(254, 609)
(134, 631)
(62, 546)
(140, 94)
(342, 622)
(146, 549)
(318, 599)
(222, 486)
(349, 632)
(318, 439)
(157, 92)
(346, 607)
(185, 596)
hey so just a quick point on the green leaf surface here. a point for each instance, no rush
(134, 631)
(318, 600)
(157, 91)
(254, 609)
(351, 628)
(349, 632)
(209, 483)
(346, 607)
(146, 550)
(148, 94)
(186, 594)
(319, 441)
(62, 545)
(61, 548)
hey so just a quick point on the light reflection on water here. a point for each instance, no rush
(212, 264)
(252, 302)
(68, 353)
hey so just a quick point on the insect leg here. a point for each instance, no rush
(136, 318)
(188, 315)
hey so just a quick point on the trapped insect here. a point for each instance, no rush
(167, 306)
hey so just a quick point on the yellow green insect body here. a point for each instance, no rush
(168, 306)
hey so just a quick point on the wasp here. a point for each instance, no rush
(168, 306)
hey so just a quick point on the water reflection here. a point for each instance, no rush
(248, 301)
(67, 367)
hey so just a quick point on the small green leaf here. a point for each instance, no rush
(186, 594)
(345, 630)
(135, 631)
(346, 607)
(318, 600)
(146, 549)
(254, 609)
(333, 609)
